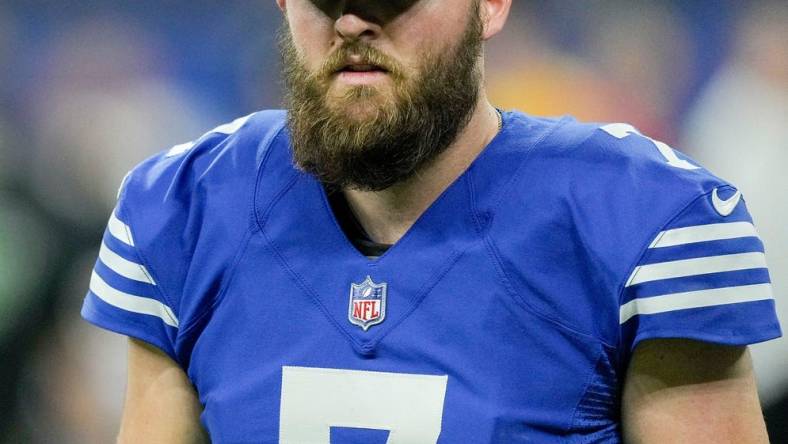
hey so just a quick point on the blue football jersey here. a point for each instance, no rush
(508, 313)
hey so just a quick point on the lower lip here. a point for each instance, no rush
(361, 77)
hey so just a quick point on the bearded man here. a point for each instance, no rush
(394, 260)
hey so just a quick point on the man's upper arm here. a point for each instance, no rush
(680, 390)
(703, 281)
(161, 404)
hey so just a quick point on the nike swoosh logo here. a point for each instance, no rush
(725, 207)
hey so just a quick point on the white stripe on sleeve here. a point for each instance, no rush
(124, 267)
(694, 299)
(703, 233)
(130, 302)
(693, 267)
(119, 230)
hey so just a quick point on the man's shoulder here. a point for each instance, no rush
(604, 171)
(189, 207)
(572, 157)
(587, 202)
(182, 195)
(211, 170)
(226, 152)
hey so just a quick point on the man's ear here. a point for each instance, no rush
(282, 4)
(494, 14)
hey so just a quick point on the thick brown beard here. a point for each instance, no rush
(402, 136)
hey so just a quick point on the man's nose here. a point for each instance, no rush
(350, 26)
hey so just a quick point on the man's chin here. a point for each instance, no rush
(358, 109)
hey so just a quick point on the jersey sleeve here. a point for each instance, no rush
(703, 277)
(181, 217)
(123, 295)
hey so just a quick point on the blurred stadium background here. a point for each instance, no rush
(89, 88)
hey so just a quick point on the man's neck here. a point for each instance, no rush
(386, 215)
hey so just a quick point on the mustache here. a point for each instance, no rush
(366, 54)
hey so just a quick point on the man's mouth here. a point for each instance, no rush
(361, 74)
(362, 68)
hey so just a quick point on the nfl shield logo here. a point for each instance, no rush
(367, 303)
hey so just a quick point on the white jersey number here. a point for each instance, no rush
(622, 130)
(316, 399)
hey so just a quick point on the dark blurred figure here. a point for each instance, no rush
(27, 247)
(101, 106)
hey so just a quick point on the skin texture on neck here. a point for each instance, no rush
(387, 215)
